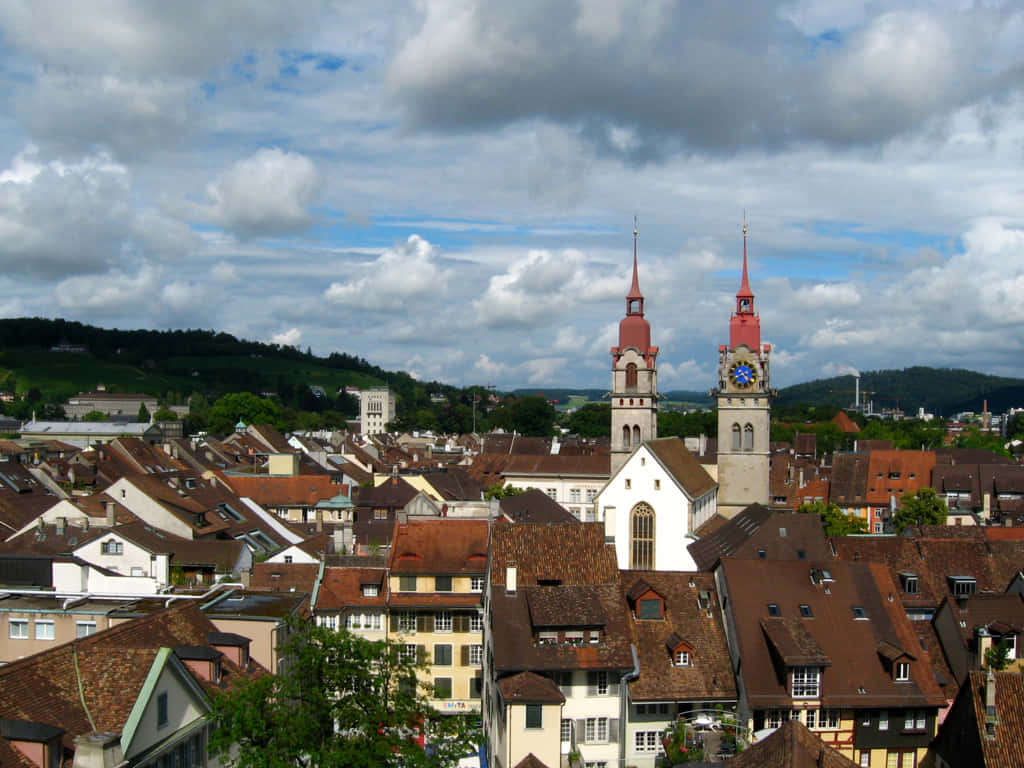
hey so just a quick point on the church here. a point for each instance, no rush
(658, 493)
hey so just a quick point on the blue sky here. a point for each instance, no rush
(448, 186)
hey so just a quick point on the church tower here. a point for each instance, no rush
(743, 407)
(634, 378)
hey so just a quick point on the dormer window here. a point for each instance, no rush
(858, 612)
(806, 683)
(909, 583)
(962, 586)
(371, 590)
(901, 671)
(649, 608)
(805, 611)
(773, 609)
(681, 659)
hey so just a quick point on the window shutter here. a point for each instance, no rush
(581, 730)
(613, 730)
(428, 622)
(421, 622)
(465, 655)
(458, 623)
(613, 688)
(421, 654)
(591, 684)
(394, 622)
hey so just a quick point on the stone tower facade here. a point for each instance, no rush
(634, 378)
(744, 407)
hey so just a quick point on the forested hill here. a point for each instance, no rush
(61, 358)
(942, 391)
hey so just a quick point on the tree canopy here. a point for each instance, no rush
(836, 522)
(925, 507)
(225, 413)
(339, 700)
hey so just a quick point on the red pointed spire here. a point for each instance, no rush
(634, 330)
(745, 326)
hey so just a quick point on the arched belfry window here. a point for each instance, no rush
(736, 435)
(641, 540)
(748, 438)
(625, 437)
(636, 435)
(631, 375)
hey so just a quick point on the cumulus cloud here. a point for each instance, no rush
(223, 272)
(63, 218)
(408, 271)
(114, 291)
(543, 285)
(829, 295)
(740, 74)
(267, 193)
(490, 369)
(288, 338)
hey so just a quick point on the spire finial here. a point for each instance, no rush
(745, 282)
(634, 290)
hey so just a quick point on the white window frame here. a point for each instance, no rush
(596, 730)
(565, 730)
(883, 720)
(575, 496)
(476, 583)
(49, 630)
(647, 742)
(371, 590)
(17, 629)
(601, 682)
(407, 652)
(407, 622)
(443, 621)
(806, 682)
(85, 628)
(476, 622)
(681, 659)
(476, 655)
(902, 671)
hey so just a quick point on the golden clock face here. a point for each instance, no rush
(742, 374)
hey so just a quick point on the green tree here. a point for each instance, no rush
(165, 414)
(143, 416)
(836, 522)
(997, 656)
(973, 437)
(530, 415)
(339, 700)
(925, 507)
(225, 413)
(592, 420)
(95, 416)
(499, 491)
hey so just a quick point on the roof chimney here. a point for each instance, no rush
(111, 517)
(991, 717)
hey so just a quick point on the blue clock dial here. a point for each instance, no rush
(742, 374)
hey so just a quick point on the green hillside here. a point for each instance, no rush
(942, 391)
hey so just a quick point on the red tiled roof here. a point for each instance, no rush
(343, 588)
(275, 491)
(446, 545)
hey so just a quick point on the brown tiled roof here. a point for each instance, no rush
(111, 666)
(540, 464)
(515, 444)
(531, 761)
(1006, 750)
(22, 497)
(284, 577)
(270, 437)
(278, 491)
(849, 479)
(395, 493)
(455, 484)
(529, 687)
(845, 423)
(567, 553)
(534, 506)
(791, 746)
(223, 554)
(805, 443)
(779, 535)
(792, 643)
(446, 545)
(571, 606)
(709, 675)
(847, 641)
(342, 588)
(689, 473)
(914, 470)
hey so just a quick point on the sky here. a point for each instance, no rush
(448, 187)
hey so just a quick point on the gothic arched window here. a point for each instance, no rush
(736, 435)
(748, 438)
(625, 437)
(636, 435)
(641, 543)
(631, 376)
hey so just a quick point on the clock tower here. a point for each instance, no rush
(744, 409)
(634, 378)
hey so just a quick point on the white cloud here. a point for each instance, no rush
(546, 370)
(490, 369)
(407, 272)
(267, 193)
(828, 295)
(288, 338)
(113, 291)
(223, 272)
